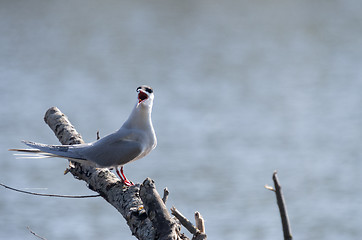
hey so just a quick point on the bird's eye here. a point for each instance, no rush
(149, 90)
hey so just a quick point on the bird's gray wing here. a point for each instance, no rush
(113, 153)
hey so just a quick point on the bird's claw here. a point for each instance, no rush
(128, 183)
(123, 178)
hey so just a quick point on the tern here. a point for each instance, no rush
(134, 140)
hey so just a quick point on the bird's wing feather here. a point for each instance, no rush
(113, 153)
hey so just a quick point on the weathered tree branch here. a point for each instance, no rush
(287, 232)
(125, 199)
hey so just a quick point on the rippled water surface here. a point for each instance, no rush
(242, 88)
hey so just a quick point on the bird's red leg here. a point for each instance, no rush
(123, 177)
(119, 175)
(126, 181)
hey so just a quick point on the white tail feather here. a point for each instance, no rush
(37, 154)
(34, 156)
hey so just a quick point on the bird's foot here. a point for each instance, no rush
(123, 178)
(127, 182)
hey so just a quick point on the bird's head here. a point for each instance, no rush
(145, 96)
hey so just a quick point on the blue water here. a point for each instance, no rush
(242, 88)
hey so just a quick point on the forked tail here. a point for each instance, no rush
(49, 151)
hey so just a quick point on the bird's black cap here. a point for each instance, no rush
(145, 88)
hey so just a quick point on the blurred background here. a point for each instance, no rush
(242, 88)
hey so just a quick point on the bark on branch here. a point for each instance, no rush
(157, 212)
(144, 211)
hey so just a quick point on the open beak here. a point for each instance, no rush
(142, 96)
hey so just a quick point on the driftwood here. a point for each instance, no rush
(141, 205)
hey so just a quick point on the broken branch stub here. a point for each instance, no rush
(157, 212)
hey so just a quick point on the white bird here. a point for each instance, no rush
(134, 140)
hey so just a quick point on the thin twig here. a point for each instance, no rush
(269, 188)
(184, 221)
(48, 195)
(98, 137)
(36, 235)
(282, 208)
(165, 195)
